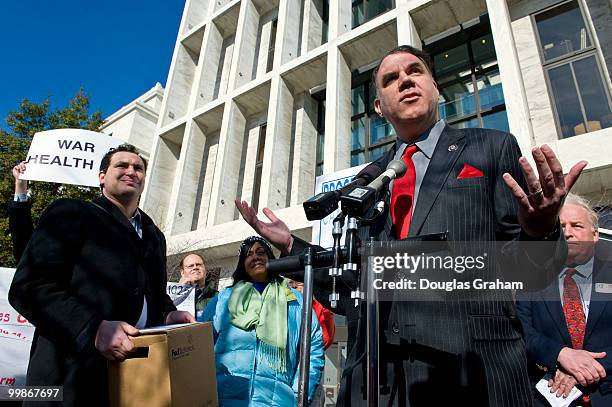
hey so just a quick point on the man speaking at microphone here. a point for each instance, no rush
(474, 185)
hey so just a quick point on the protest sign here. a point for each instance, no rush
(15, 337)
(182, 295)
(67, 156)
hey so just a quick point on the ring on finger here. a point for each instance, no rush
(537, 193)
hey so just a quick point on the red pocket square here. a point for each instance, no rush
(469, 172)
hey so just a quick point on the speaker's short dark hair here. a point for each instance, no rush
(407, 49)
(123, 147)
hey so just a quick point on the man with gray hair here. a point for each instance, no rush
(568, 326)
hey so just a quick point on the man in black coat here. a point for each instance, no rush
(92, 273)
(474, 185)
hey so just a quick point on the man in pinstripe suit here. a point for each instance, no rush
(452, 352)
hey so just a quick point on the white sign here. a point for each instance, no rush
(182, 295)
(68, 156)
(15, 337)
(322, 229)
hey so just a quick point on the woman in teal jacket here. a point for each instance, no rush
(257, 334)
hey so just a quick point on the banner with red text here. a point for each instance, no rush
(15, 337)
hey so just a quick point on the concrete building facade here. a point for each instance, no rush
(135, 122)
(264, 95)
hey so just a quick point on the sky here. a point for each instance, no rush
(115, 50)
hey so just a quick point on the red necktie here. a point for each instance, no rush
(572, 308)
(402, 196)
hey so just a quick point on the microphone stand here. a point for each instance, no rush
(336, 269)
(352, 263)
(352, 258)
(372, 317)
(372, 326)
(309, 257)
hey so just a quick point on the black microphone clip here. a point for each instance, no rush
(324, 203)
(360, 199)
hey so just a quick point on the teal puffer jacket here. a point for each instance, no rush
(243, 379)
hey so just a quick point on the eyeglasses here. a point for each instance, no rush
(192, 266)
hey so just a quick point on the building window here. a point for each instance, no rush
(272, 43)
(325, 22)
(465, 68)
(261, 146)
(371, 135)
(365, 10)
(320, 136)
(580, 98)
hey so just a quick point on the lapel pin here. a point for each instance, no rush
(452, 147)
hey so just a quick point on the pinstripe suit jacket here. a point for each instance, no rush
(451, 352)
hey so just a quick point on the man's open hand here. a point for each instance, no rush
(539, 206)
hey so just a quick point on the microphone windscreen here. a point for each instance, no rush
(369, 173)
(398, 166)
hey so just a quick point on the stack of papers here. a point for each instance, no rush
(552, 398)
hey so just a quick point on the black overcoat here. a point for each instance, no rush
(85, 263)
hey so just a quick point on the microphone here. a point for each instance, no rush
(360, 199)
(323, 259)
(321, 205)
(395, 169)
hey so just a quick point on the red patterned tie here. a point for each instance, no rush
(572, 308)
(402, 196)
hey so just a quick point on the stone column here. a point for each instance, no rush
(304, 149)
(252, 135)
(510, 70)
(207, 174)
(406, 30)
(212, 46)
(227, 167)
(185, 186)
(222, 78)
(340, 13)
(246, 41)
(312, 31)
(337, 151)
(264, 47)
(275, 170)
(289, 32)
(158, 188)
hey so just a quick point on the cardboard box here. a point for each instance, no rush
(173, 366)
